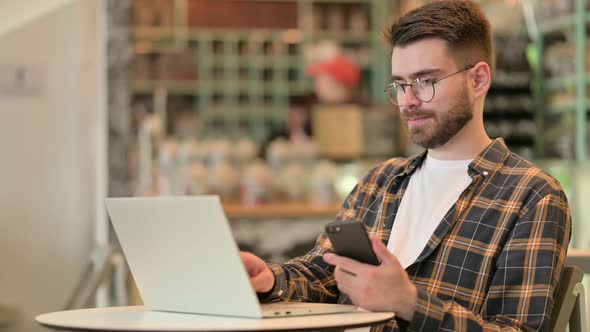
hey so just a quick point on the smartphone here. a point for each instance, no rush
(350, 239)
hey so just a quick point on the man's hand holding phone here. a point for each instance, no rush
(384, 287)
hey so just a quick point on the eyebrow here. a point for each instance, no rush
(420, 73)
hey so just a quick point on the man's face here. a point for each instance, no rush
(431, 124)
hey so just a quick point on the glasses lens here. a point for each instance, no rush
(423, 89)
(393, 91)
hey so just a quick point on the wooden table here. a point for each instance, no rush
(280, 210)
(138, 318)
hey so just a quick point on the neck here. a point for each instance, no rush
(466, 144)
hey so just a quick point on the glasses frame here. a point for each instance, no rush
(411, 85)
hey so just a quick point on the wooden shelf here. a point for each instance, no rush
(280, 210)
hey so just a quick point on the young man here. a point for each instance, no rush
(471, 236)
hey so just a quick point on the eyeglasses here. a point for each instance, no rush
(422, 88)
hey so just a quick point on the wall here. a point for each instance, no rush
(51, 173)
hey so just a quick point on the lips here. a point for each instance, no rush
(412, 122)
(414, 117)
(417, 118)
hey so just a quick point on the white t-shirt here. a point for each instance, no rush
(431, 192)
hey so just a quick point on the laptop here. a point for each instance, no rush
(183, 258)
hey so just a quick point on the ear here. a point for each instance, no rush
(481, 79)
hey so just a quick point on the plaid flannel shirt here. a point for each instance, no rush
(492, 263)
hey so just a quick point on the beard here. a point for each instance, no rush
(440, 126)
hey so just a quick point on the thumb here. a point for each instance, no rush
(382, 252)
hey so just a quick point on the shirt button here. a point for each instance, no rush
(485, 173)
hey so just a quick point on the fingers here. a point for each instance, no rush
(345, 263)
(344, 280)
(249, 263)
(257, 282)
(254, 265)
(344, 276)
(261, 277)
(263, 282)
(386, 257)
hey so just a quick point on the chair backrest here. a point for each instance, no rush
(565, 298)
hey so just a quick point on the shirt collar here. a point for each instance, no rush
(486, 162)
(415, 162)
(489, 159)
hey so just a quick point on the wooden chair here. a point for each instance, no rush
(569, 306)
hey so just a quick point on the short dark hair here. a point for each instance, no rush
(461, 24)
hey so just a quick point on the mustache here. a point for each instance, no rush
(414, 113)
